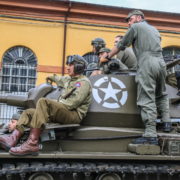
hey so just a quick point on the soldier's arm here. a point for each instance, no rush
(113, 52)
(125, 42)
(57, 79)
(77, 97)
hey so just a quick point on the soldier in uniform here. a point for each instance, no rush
(108, 67)
(127, 56)
(151, 74)
(8, 128)
(70, 108)
(92, 57)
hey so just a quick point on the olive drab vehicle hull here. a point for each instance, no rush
(100, 147)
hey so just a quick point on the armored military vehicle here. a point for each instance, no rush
(100, 147)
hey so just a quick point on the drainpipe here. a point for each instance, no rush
(65, 34)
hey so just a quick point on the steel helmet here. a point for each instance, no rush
(79, 63)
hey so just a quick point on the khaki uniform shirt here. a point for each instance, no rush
(128, 58)
(76, 94)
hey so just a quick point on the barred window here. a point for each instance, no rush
(18, 75)
(18, 70)
(171, 53)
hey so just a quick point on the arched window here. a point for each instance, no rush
(18, 70)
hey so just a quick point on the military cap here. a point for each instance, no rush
(134, 12)
(104, 50)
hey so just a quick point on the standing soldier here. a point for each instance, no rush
(151, 74)
(70, 108)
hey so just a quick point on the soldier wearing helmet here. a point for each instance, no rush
(92, 57)
(97, 44)
(151, 74)
(112, 66)
(79, 63)
(70, 108)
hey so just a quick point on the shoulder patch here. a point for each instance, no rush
(78, 84)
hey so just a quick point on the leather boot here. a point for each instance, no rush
(29, 147)
(8, 141)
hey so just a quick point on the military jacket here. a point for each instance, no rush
(76, 93)
(143, 37)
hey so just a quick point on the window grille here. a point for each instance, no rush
(171, 53)
(18, 75)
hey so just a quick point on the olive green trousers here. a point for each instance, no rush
(47, 111)
(151, 92)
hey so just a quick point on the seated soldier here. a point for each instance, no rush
(92, 57)
(127, 56)
(11, 125)
(109, 66)
(70, 108)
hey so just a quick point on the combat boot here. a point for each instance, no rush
(29, 147)
(8, 141)
(146, 140)
(167, 126)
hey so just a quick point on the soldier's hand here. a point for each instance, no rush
(103, 59)
(49, 80)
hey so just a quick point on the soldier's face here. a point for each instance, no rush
(12, 125)
(116, 40)
(134, 19)
(94, 49)
(70, 69)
